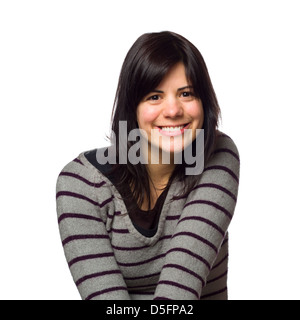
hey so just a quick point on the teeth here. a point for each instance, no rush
(172, 128)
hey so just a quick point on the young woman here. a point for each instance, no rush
(139, 228)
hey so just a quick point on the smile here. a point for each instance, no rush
(173, 130)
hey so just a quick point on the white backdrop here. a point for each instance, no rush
(59, 67)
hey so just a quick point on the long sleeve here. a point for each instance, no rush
(81, 216)
(202, 226)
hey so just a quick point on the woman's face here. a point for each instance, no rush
(169, 111)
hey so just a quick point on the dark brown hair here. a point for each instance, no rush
(145, 65)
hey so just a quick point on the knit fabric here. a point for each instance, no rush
(186, 259)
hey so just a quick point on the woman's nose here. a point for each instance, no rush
(172, 108)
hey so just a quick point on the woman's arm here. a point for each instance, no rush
(202, 226)
(87, 247)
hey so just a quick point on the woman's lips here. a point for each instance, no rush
(172, 131)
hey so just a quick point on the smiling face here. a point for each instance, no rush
(166, 113)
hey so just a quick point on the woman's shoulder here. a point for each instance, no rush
(82, 188)
(83, 170)
(220, 177)
(225, 157)
(79, 165)
(225, 143)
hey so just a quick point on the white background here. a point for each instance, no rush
(59, 67)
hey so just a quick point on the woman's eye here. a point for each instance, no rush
(187, 94)
(154, 97)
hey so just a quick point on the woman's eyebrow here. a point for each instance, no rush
(157, 91)
(186, 87)
(179, 89)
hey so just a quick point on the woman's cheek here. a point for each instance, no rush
(148, 114)
(195, 110)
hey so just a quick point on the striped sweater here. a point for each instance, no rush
(186, 259)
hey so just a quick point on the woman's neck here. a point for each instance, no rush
(160, 174)
(160, 167)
